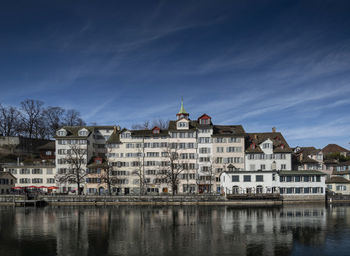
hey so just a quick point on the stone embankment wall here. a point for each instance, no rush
(159, 200)
(338, 198)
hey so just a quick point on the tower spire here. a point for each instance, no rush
(182, 113)
(182, 109)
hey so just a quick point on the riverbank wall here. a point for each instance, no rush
(158, 200)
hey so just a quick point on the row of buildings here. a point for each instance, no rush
(188, 156)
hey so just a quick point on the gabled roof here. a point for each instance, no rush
(149, 132)
(280, 145)
(337, 180)
(114, 138)
(347, 163)
(192, 125)
(334, 148)
(309, 150)
(73, 131)
(48, 146)
(4, 174)
(228, 130)
(204, 116)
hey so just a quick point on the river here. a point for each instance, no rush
(175, 230)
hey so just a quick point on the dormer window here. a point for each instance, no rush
(156, 130)
(267, 145)
(182, 124)
(61, 133)
(83, 133)
(204, 119)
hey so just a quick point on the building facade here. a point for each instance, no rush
(78, 144)
(196, 151)
(267, 151)
(292, 185)
(7, 182)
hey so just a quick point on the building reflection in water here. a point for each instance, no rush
(171, 230)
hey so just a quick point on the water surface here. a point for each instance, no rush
(175, 230)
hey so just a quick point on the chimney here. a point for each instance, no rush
(273, 129)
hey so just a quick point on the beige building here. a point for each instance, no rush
(7, 182)
(141, 159)
(38, 175)
(339, 185)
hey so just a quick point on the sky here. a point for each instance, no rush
(261, 64)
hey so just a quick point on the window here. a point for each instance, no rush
(219, 149)
(204, 121)
(182, 124)
(283, 167)
(13, 171)
(219, 160)
(234, 140)
(318, 178)
(50, 180)
(24, 171)
(37, 171)
(61, 133)
(83, 133)
(259, 178)
(204, 140)
(204, 150)
(267, 145)
(37, 180)
(220, 140)
(204, 159)
(233, 149)
(262, 167)
(246, 178)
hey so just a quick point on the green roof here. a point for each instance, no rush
(182, 109)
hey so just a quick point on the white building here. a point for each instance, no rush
(292, 185)
(90, 139)
(267, 151)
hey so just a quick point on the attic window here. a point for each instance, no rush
(267, 145)
(156, 130)
(204, 121)
(61, 133)
(182, 124)
(83, 133)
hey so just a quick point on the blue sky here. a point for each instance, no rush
(256, 63)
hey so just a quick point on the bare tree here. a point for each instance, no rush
(160, 123)
(31, 117)
(140, 171)
(146, 125)
(9, 121)
(208, 176)
(175, 167)
(76, 159)
(108, 176)
(72, 118)
(53, 119)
